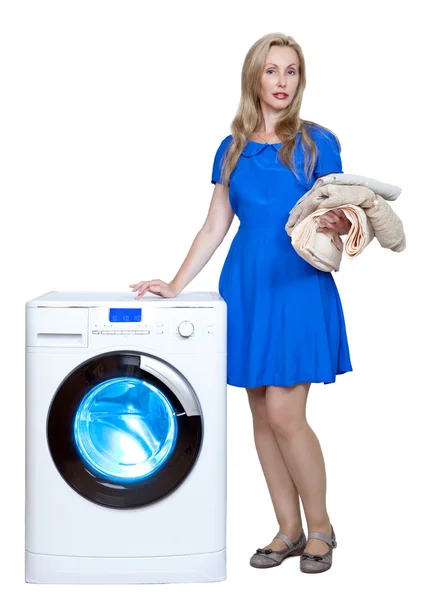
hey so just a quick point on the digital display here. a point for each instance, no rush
(125, 315)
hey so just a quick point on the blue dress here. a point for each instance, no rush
(285, 322)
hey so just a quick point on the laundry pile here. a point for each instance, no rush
(364, 202)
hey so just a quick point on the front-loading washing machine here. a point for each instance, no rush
(125, 438)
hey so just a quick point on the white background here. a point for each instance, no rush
(111, 114)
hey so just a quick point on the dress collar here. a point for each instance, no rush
(253, 148)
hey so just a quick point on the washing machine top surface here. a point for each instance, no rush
(72, 299)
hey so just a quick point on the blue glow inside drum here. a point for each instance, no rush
(125, 429)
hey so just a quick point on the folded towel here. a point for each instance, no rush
(386, 190)
(387, 226)
(324, 250)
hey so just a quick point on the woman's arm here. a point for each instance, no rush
(210, 236)
(208, 239)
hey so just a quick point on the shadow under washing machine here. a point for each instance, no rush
(125, 438)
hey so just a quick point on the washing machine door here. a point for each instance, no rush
(120, 434)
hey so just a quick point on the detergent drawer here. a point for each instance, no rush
(57, 327)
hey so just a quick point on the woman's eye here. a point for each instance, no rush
(290, 70)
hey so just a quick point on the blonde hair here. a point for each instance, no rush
(249, 114)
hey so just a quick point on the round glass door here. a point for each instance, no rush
(125, 429)
(119, 436)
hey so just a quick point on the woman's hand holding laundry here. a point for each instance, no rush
(334, 220)
(156, 286)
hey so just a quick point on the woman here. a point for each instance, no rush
(285, 320)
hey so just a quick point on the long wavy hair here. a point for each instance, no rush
(249, 114)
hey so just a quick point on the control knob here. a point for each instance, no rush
(186, 329)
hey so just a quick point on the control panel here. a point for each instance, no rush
(180, 324)
(194, 328)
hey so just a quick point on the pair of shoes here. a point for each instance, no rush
(264, 558)
(317, 563)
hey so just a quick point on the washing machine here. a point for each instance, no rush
(125, 438)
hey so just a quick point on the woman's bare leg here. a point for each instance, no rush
(300, 448)
(284, 495)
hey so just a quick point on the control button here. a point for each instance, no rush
(118, 332)
(160, 331)
(111, 333)
(95, 332)
(186, 329)
(104, 332)
(160, 324)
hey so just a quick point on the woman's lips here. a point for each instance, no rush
(281, 96)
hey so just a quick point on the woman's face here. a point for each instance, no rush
(281, 74)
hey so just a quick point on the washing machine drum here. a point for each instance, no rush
(119, 435)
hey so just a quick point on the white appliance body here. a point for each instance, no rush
(83, 526)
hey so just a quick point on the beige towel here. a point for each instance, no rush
(387, 226)
(324, 250)
(386, 190)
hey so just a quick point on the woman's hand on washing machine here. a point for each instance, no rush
(156, 286)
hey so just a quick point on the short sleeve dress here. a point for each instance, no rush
(285, 321)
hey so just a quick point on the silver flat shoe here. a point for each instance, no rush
(317, 563)
(265, 558)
